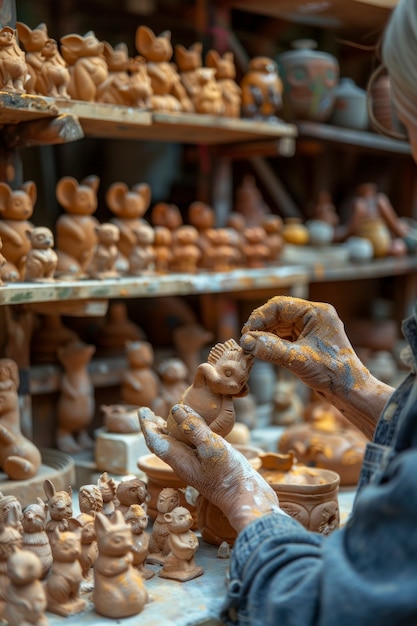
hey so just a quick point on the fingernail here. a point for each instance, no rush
(248, 342)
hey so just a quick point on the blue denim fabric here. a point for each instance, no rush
(364, 574)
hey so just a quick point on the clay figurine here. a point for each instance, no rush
(119, 590)
(76, 228)
(287, 405)
(107, 486)
(20, 459)
(11, 511)
(90, 499)
(262, 90)
(162, 248)
(13, 68)
(216, 382)
(185, 251)
(84, 55)
(203, 217)
(225, 77)
(76, 403)
(168, 499)
(59, 505)
(128, 206)
(10, 541)
(116, 329)
(137, 519)
(208, 99)
(168, 92)
(131, 491)
(174, 381)
(34, 535)
(63, 585)
(103, 261)
(33, 41)
(255, 249)
(142, 256)
(272, 225)
(49, 335)
(140, 83)
(41, 260)
(222, 251)
(183, 544)
(189, 61)
(115, 89)
(140, 382)
(16, 209)
(26, 597)
(118, 418)
(168, 215)
(89, 551)
(54, 72)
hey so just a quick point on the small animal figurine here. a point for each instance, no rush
(262, 90)
(225, 77)
(119, 590)
(168, 215)
(76, 228)
(128, 206)
(141, 90)
(272, 225)
(90, 499)
(20, 459)
(131, 491)
(186, 253)
(137, 519)
(118, 418)
(142, 256)
(16, 209)
(26, 597)
(55, 74)
(107, 486)
(59, 505)
(33, 41)
(168, 499)
(162, 249)
(3, 262)
(76, 402)
(11, 511)
(84, 55)
(41, 260)
(174, 381)
(168, 92)
(255, 249)
(222, 251)
(183, 544)
(63, 585)
(208, 99)
(115, 329)
(189, 61)
(13, 68)
(287, 405)
(116, 88)
(89, 550)
(140, 382)
(189, 339)
(216, 382)
(34, 535)
(103, 261)
(10, 540)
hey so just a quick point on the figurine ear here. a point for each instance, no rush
(41, 503)
(91, 181)
(5, 195)
(24, 32)
(212, 58)
(101, 523)
(73, 42)
(65, 190)
(49, 488)
(144, 39)
(115, 196)
(144, 190)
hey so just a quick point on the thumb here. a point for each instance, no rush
(195, 429)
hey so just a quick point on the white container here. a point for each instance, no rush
(350, 106)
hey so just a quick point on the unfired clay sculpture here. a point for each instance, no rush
(140, 382)
(103, 261)
(107, 486)
(225, 77)
(183, 544)
(76, 228)
(162, 249)
(26, 597)
(261, 90)
(63, 585)
(168, 92)
(10, 540)
(34, 536)
(11, 511)
(142, 256)
(119, 418)
(89, 550)
(54, 72)
(90, 499)
(137, 519)
(189, 61)
(13, 68)
(41, 260)
(131, 491)
(33, 41)
(76, 402)
(216, 382)
(168, 499)
(185, 251)
(119, 590)
(16, 209)
(115, 89)
(84, 54)
(59, 503)
(174, 381)
(19, 458)
(115, 330)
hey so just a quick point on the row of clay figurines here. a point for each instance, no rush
(50, 560)
(128, 244)
(85, 68)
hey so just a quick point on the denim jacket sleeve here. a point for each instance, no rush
(363, 574)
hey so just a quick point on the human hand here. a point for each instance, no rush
(211, 465)
(308, 338)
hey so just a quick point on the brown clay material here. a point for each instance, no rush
(103, 261)
(41, 260)
(225, 77)
(26, 597)
(55, 76)
(261, 90)
(159, 549)
(34, 535)
(183, 544)
(16, 209)
(84, 54)
(59, 503)
(137, 519)
(13, 68)
(140, 382)
(33, 41)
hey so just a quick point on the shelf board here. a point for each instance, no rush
(333, 14)
(349, 137)
(16, 108)
(388, 266)
(153, 285)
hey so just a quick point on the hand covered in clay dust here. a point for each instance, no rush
(211, 465)
(309, 339)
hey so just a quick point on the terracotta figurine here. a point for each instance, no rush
(118, 418)
(41, 260)
(11, 511)
(131, 491)
(226, 79)
(183, 544)
(13, 68)
(168, 215)
(142, 256)
(34, 535)
(119, 590)
(115, 330)
(33, 41)
(208, 99)
(140, 83)
(90, 499)
(84, 55)
(162, 249)
(168, 499)
(137, 519)
(10, 541)
(54, 71)
(103, 261)
(174, 381)
(89, 550)
(189, 61)
(115, 89)
(261, 90)
(19, 457)
(140, 382)
(26, 597)
(107, 486)
(216, 382)
(59, 503)
(185, 251)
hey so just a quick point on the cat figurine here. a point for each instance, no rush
(34, 537)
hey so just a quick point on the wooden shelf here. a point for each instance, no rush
(15, 108)
(358, 15)
(389, 266)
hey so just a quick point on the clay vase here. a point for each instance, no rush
(309, 79)
(295, 232)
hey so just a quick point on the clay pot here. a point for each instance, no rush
(295, 232)
(309, 78)
(320, 232)
(378, 234)
(350, 107)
